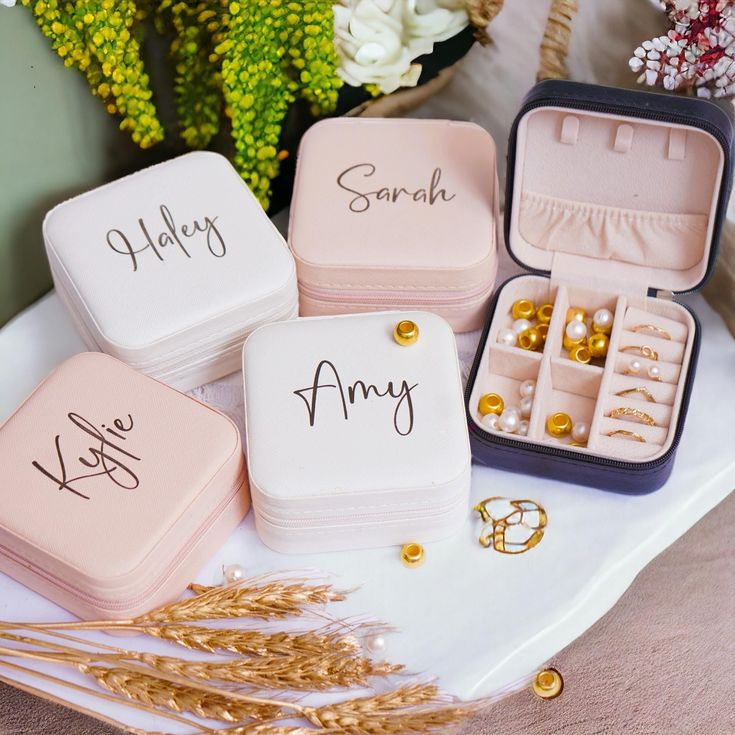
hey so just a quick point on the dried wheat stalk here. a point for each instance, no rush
(416, 708)
(292, 672)
(254, 642)
(156, 692)
(277, 599)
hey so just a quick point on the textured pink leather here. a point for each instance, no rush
(609, 189)
(396, 210)
(117, 488)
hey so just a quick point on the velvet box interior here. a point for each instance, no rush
(614, 202)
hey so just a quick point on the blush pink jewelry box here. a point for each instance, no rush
(116, 490)
(396, 214)
(353, 439)
(169, 269)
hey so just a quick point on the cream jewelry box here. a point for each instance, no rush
(117, 488)
(355, 431)
(396, 214)
(615, 203)
(170, 268)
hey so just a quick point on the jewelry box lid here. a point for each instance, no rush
(103, 491)
(339, 415)
(633, 181)
(395, 204)
(170, 252)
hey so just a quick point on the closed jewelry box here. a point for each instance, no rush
(170, 268)
(117, 488)
(396, 214)
(615, 201)
(355, 439)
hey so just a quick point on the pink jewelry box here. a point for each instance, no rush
(353, 439)
(615, 202)
(169, 269)
(117, 488)
(396, 214)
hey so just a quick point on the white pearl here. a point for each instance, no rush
(376, 643)
(526, 405)
(528, 388)
(521, 325)
(523, 428)
(509, 420)
(576, 330)
(603, 318)
(233, 573)
(507, 337)
(654, 372)
(490, 421)
(635, 366)
(581, 432)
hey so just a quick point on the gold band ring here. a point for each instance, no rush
(634, 412)
(629, 434)
(643, 391)
(657, 331)
(642, 350)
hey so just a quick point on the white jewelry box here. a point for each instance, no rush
(170, 268)
(355, 440)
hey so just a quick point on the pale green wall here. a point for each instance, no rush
(55, 140)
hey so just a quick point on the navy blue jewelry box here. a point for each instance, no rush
(615, 201)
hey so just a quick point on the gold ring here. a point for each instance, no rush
(658, 332)
(642, 350)
(634, 412)
(630, 434)
(643, 391)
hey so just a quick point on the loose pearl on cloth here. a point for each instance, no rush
(233, 573)
(376, 643)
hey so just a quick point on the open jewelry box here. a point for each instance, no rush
(615, 202)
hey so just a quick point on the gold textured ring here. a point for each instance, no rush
(643, 391)
(658, 332)
(642, 350)
(634, 412)
(629, 434)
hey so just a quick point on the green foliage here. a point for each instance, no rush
(250, 60)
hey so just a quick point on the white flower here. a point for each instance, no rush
(7, 3)
(377, 40)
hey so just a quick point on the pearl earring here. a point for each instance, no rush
(654, 373)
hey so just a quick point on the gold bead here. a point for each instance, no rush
(530, 339)
(406, 332)
(575, 312)
(543, 330)
(570, 344)
(412, 555)
(559, 424)
(548, 684)
(490, 403)
(580, 353)
(601, 330)
(597, 344)
(543, 314)
(523, 309)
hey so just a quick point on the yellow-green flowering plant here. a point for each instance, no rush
(248, 60)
